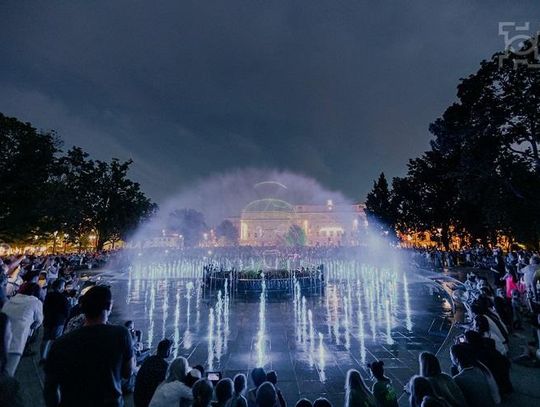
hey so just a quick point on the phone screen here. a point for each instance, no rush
(213, 376)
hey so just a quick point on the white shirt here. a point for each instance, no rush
(170, 393)
(528, 275)
(23, 311)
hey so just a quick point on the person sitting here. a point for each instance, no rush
(85, 367)
(258, 376)
(384, 393)
(303, 403)
(224, 392)
(202, 393)
(443, 385)
(25, 311)
(238, 399)
(272, 378)
(266, 395)
(151, 374)
(356, 391)
(420, 387)
(322, 402)
(471, 379)
(192, 377)
(482, 326)
(173, 391)
(485, 352)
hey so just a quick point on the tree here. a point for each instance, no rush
(47, 193)
(227, 232)
(27, 162)
(190, 224)
(481, 177)
(295, 236)
(379, 206)
(99, 198)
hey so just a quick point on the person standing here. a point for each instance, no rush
(25, 312)
(85, 367)
(55, 311)
(151, 374)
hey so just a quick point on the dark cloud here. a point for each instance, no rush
(338, 90)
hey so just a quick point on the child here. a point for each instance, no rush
(383, 391)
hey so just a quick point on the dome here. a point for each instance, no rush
(269, 205)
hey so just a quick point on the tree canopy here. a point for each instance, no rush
(190, 223)
(46, 191)
(481, 176)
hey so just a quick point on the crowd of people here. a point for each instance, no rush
(89, 362)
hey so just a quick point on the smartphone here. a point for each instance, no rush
(213, 376)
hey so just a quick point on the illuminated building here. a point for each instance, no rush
(266, 222)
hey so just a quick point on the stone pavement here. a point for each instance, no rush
(526, 380)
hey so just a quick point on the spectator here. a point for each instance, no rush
(55, 311)
(151, 374)
(356, 392)
(31, 285)
(85, 367)
(25, 312)
(266, 395)
(484, 352)
(303, 403)
(482, 326)
(200, 368)
(173, 391)
(224, 392)
(272, 378)
(420, 387)
(10, 394)
(192, 377)
(202, 393)
(529, 273)
(517, 310)
(382, 389)
(322, 402)
(258, 376)
(443, 385)
(238, 399)
(5, 339)
(471, 379)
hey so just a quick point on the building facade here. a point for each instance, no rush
(266, 222)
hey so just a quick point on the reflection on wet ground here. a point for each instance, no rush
(310, 339)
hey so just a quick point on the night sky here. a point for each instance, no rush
(336, 90)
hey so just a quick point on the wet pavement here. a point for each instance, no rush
(310, 338)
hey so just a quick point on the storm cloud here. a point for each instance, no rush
(336, 90)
